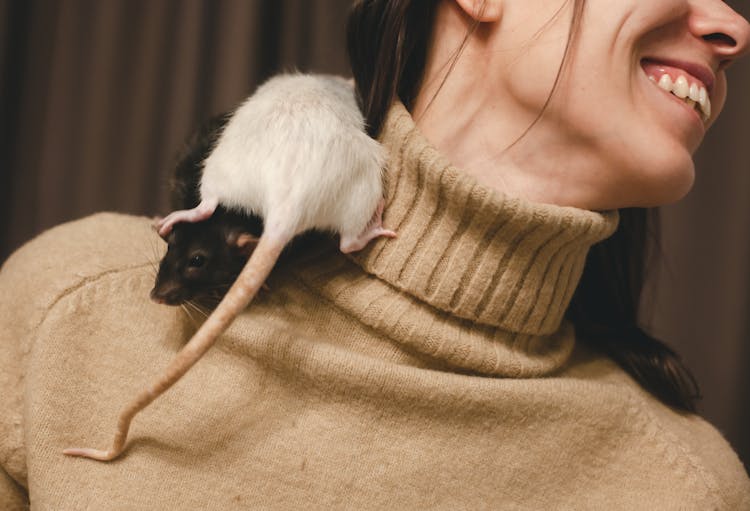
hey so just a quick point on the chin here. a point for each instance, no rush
(667, 184)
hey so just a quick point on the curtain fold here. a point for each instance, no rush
(99, 95)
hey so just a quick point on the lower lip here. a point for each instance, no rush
(695, 116)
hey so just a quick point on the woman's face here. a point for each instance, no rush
(643, 82)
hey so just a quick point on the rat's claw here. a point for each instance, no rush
(94, 454)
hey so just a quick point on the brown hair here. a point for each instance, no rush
(387, 43)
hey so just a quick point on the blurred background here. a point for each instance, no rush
(98, 96)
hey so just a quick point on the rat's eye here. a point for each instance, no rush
(197, 261)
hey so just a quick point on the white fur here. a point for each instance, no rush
(296, 153)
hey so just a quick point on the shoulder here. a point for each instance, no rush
(71, 257)
(706, 454)
(676, 450)
(74, 254)
(108, 239)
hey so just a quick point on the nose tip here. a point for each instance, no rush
(738, 31)
(743, 38)
(169, 296)
(725, 30)
(155, 297)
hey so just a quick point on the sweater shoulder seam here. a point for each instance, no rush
(79, 284)
(668, 442)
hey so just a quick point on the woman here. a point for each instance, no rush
(605, 139)
(436, 370)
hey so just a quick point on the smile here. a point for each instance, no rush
(691, 90)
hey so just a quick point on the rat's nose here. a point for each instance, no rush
(171, 295)
(156, 297)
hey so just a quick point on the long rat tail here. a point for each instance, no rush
(246, 286)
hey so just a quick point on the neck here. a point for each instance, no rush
(475, 280)
(440, 211)
(475, 114)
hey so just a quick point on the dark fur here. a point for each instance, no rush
(201, 261)
(184, 183)
(177, 280)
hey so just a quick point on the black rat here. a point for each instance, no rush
(295, 154)
(203, 258)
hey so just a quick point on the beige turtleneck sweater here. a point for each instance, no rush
(432, 371)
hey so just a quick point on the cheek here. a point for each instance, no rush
(635, 157)
(529, 73)
(529, 85)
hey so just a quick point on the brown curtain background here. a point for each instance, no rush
(97, 96)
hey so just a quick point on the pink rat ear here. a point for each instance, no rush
(243, 241)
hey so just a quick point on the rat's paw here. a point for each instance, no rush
(164, 225)
(354, 243)
(202, 211)
(373, 230)
(156, 222)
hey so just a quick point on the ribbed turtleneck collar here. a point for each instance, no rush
(475, 281)
(471, 251)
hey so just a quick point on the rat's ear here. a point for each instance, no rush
(244, 242)
(482, 11)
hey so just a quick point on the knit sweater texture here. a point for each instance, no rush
(430, 371)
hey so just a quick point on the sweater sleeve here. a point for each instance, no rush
(31, 281)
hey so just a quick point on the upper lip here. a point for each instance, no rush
(699, 71)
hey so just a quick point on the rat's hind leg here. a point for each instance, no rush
(374, 229)
(201, 212)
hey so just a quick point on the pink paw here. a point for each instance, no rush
(373, 230)
(202, 211)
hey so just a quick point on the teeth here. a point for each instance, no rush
(692, 94)
(702, 96)
(681, 87)
(665, 82)
(707, 109)
(704, 102)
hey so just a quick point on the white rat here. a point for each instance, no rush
(296, 154)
